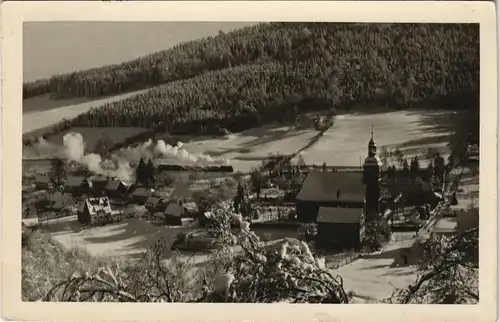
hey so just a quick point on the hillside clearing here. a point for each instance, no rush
(345, 143)
(249, 148)
(38, 120)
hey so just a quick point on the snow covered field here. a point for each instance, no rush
(413, 132)
(37, 120)
(248, 148)
(377, 276)
(128, 238)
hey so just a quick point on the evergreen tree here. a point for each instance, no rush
(406, 167)
(430, 171)
(256, 178)
(141, 172)
(150, 171)
(415, 167)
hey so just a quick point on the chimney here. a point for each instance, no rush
(338, 194)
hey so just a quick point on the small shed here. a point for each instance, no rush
(96, 211)
(174, 214)
(141, 195)
(339, 228)
(116, 189)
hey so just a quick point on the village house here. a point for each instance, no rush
(77, 185)
(56, 202)
(272, 194)
(99, 184)
(339, 228)
(154, 204)
(116, 189)
(43, 182)
(175, 213)
(141, 195)
(96, 211)
(60, 201)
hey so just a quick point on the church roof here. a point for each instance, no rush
(339, 215)
(333, 186)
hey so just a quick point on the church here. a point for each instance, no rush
(340, 201)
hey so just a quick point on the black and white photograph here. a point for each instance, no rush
(251, 162)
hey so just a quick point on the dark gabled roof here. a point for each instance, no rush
(339, 215)
(114, 184)
(73, 181)
(152, 201)
(60, 200)
(174, 209)
(142, 192)
(99, 178)
(325, 186)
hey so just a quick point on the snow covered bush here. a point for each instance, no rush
(256, 272)
(449, 273)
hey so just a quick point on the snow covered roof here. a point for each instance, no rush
(96, 205)
(333, 186)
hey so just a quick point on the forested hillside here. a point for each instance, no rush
(265, 72)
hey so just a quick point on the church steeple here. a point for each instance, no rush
(372, 147)
(371, 176)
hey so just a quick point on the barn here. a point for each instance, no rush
(329, 189)
(339, 228)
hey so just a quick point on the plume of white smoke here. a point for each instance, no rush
(120, 164)
(45, 148)
(178, 154)
(74, 146)
(134, 154)
(74, 150)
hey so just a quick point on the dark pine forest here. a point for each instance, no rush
(277, 71)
